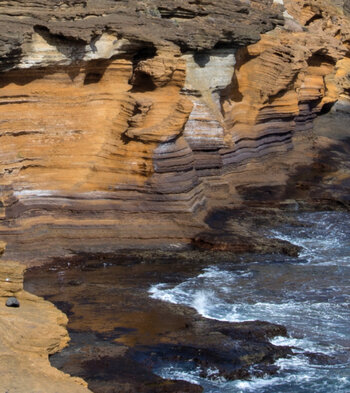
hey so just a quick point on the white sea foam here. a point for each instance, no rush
(311, 299)
(323, 240)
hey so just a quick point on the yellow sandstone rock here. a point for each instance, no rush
(28, 335)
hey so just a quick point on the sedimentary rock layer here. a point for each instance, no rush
(29, 334)
(124, 122)
(75, 24)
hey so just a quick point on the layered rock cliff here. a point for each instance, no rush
(124, 122)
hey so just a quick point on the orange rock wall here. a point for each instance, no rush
(125, 144)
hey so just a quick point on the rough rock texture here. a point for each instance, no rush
(29, 334)
(76, 24)
(124, 122)
(120, 334)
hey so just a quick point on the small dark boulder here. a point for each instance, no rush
(322, 359)
(12, 302)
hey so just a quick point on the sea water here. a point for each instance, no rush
(310, 295)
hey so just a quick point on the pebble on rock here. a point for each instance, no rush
(12, 302)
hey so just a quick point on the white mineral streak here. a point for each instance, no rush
(106, 47)
(45, 50)
(202, 128)
(285, 13)
(206, 76)
(210, 71)
(39, 52)
(37, 193)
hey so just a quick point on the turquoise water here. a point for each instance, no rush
(310, 295)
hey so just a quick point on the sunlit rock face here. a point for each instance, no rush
(124, 122)
(29, 334)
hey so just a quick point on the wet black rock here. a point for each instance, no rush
(317, 358)
(117, 346)
(238, 243)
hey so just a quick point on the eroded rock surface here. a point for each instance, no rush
(124, 122)
(28, 335)
(120, 334)
(188, 24)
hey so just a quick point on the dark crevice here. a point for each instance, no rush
(319, 58)
(95, 70)
(223, 45)
(10, 59)
(92, 77)
(314, 104)
(326, 108)
(232, 91)
(51, 38)
(124, 138)
(148, 52)
(313, 19)
(140, 80)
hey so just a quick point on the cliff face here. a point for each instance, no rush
(124, 122)
(79, 24)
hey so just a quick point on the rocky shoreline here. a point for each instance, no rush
(145, 332)
(128, 333)
(119, 334)
(149, 139)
